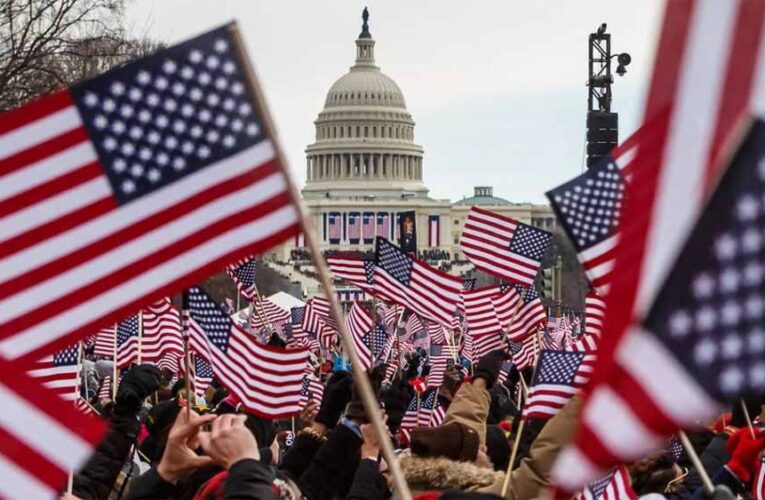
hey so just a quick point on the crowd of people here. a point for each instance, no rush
(160, 446)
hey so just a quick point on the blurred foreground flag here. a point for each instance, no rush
(129, 186)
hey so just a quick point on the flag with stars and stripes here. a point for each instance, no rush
(379, 342)
(708, 75)
(441, 357)
(60, 372)
(162, 341)
(359, 323)
(358, 272)
(504, 247)
(429, 401)
(203, 376)
(616, 485)
(127, 341)
(530, 315)
(525, 352)
(104, 344)
(433, 294)
(128, 186)
(311, 390)
(558, 377)
(242, 273)
(594, 314)
(265, 379)
(105, 389)
(409, 421)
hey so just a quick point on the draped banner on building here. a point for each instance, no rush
(368, 228)
(383, 224)
(334, 228)
(354, 227)
(434, 229)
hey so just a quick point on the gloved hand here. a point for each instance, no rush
(488, 367)
(337, 393)
(452, 379)
(396, 400)
(356, 409)
(744, 451)
(137, 384)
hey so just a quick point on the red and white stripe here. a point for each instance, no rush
(529, 318)
(618, 488)
(359, 323)
(709, 71)
(72, 260)
(42, 438)
(162, 341)
(335, 223)
(527, 356)
(546, 400)
(368, 227)
(506, 306)
(350, 270)
(485, 242)
(274, 315)
(104, 345)
(64, 380)
(354, 226)
(480, 313)
(434, 231)
(594, 314)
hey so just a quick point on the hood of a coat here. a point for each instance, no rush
(443, 474)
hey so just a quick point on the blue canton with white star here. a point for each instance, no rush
(557, 367)
(529, 241)
(205, 312)
(127, 328)
(168, 115)
(246, 273)
(66, 357)
(369, 271)
(296, 315)
(202, 368)
(710, 312)
(394, 261)
(589, 206)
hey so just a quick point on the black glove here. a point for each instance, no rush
(137, 384)
(337, 393)
(488, 367)
(396, 400)
(356, 409)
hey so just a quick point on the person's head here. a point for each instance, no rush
(655, 475)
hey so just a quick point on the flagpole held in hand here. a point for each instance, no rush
(360, 379)
(748, 418)
(114, 366)
(517, 442)
(140, 335)
(186, 354)
(696, 461)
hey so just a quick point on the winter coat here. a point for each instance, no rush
(96, 479)
(368, 482)
(470, 407)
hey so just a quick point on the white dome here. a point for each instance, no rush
(365, 86)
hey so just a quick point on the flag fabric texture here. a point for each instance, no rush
(162, 337)
(104, 344)
(42, 438)
(441, 357)
(707, 74)
(558, 377)
(128, 343)
(129, 186)
(409, 421)
(105, 390)
(525, 352)
(274, 315)
(359, 323)
(531, 315)
(358, 272)
(242, 273)
(311, 390)
(203, 376)
(480, 314)
(60, 372)
(594, 314)
(266, 379)
(615, 485)
(503, 247)
(412, 283)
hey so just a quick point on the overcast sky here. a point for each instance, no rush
(497, 88)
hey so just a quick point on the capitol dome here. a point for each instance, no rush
(364, 145)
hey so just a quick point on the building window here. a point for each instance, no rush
(456, 240)
(366, 131)
(358, 131)
(456, 221)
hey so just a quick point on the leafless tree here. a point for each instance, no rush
(48, 44)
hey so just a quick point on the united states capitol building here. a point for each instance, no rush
(365, 167)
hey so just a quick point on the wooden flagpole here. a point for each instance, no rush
(517, 441)
(140, 335)
(748, 418)
(696, 461)
(184, 314)
(360, 379)
(114, 366)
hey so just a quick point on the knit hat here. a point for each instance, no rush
(455, 441)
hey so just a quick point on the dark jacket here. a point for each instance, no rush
(333, 467)
(368, 482)
(246, 480)
(96, 479)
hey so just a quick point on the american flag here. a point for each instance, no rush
(707, 74)
(128, 343)
(594, 314)
(162, 337)
(311, 390)
(359, 324)
(525, 352)
(589, 208)
(482, 318)
(530, 316)
(436, 332)
(129, 186)
(504, 371)
(42, 438)
(60, 372)
(409, 421)
(412, 283)
(317, 320)
(274, 315)
(758, 481)
(441, 357)
(104, 344)
(616, 485)
(506, 305)
(484, 344)
(265, 379)
(503, 247)
(412, 326)
(203, 376)
(380, 342)
(383, 225)
(558, 377)
(358, 272)
(469, 284)
(105, 390)
(467, 348)
(425, 413)
(354, 227)
(335, 227)
(296, 320)
(242, 273)
(368, 227)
